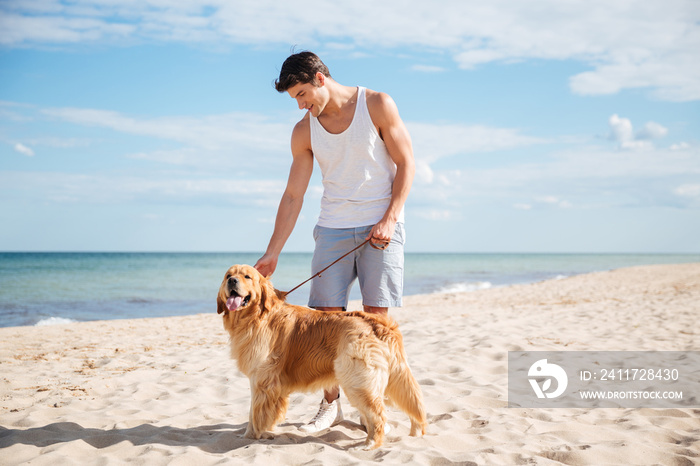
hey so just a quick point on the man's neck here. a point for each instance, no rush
(339, 96)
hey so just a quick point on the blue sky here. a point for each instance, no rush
(545, 126)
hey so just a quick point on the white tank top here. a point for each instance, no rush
(358, 173)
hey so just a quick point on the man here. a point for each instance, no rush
(366, 158)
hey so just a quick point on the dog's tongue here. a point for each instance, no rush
(234, 302)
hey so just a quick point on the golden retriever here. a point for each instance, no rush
(283, 348)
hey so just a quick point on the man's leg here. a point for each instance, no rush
(381, 273)
(381, 279)
(329, 413)
(376, 310)
(334, 393)
(329, 292)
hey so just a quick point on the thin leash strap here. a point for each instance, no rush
(318, 274)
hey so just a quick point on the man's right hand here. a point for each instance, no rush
(266, 265)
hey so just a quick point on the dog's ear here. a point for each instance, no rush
(221, 301)
(269, 299)
(220, 306)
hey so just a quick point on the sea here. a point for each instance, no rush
(51, 288)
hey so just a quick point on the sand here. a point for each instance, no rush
(164, 391)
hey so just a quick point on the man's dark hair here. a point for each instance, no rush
(300, 68)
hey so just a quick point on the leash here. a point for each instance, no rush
(318, 274)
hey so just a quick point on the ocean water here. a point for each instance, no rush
(55, 288)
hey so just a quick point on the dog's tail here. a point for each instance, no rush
(404, 392)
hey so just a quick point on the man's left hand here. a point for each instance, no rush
(381, 233)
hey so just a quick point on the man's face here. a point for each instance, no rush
(309, 96)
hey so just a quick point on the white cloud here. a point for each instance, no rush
(62, 143)
(424, 174)
(543, 200)
(435, 214)
(435, 141)
(621, 130)
(211, 132)
(13, 111)
(432, 142)
(565, 204)
(18, 29)
(428, 68)
(233, 140)
(24, 150)
(628, 45)
(553, 200)
(688, 190)
(671, 69)
(581, 177)
(596, 162)
(680, 146)
(652, 130)
(144, 188)
(548, 199)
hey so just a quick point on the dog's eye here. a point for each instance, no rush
(247, 277)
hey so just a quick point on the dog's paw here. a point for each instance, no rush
(370, 445)
(250, 434)
(367, 446)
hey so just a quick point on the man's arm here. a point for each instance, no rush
(393, 132)
(292, 199)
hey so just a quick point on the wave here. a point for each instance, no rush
(465, 287)
(54, 321)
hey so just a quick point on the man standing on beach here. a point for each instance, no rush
(366, 159)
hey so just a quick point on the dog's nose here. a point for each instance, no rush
(233, 281)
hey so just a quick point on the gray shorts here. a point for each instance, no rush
(380, 273)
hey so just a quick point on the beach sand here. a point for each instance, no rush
(164, 391)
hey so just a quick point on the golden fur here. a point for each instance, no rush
(284, 348)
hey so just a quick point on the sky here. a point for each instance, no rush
(537, 126)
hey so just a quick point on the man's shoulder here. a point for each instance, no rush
(302, 126)
(380, 106)
(301, 135)
(377, 98)
(304, 122)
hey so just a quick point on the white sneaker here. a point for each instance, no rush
(329, 414)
